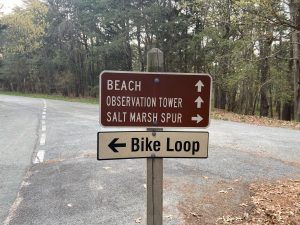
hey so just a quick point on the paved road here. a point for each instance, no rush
(70, 186)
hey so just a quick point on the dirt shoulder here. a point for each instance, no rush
(260, 121)
(259, 203)
(236, 202)
(273, 203)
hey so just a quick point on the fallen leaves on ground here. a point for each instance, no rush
(274, 203)
(257, 120)
(204, 204)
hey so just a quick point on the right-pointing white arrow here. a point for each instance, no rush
(199, 85)
(199, 101)
(197, 118)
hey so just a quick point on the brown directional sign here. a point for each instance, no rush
(143, 144)
(133, 99)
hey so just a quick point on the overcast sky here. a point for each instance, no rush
(8, 5)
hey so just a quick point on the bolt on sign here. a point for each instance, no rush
(143, 144)
(135, 99)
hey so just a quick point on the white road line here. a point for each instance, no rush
(13, 209)
(43, 122)
(17, 202)
(44, 113)
(43, 117)
(43, 128)
(39, 157)
(43, 139)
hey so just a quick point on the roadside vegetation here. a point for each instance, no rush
(256, 120)
(249, 47)
(53, 97)
(215, 113)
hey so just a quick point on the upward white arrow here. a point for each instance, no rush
(199, 101)
(199, 85)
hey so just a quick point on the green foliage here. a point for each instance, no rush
(61, 46)
(20, 40)
(88, 100)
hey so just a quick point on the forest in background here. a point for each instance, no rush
(250, 47)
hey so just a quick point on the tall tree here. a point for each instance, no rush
(265, 43)
(295, 15)
(20, 41)
(243, 44)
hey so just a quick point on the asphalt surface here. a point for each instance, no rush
(70, 186)
(19, 122)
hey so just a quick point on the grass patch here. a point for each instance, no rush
(53, 97)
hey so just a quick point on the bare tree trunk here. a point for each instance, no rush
(232, 104)
(265, 50)
(140, 55)
(271, 103)
(225, 59)
(286, 111)
(296, 74)
(295, 15)
(278, 109)
(127, 47)
(216, 96)
(286, 106)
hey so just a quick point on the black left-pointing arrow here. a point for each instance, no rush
(113, 145)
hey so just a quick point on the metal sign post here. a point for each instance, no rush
(155, 63)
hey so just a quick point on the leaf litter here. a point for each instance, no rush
(257, 120)
(274, 203)
(259, 203)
